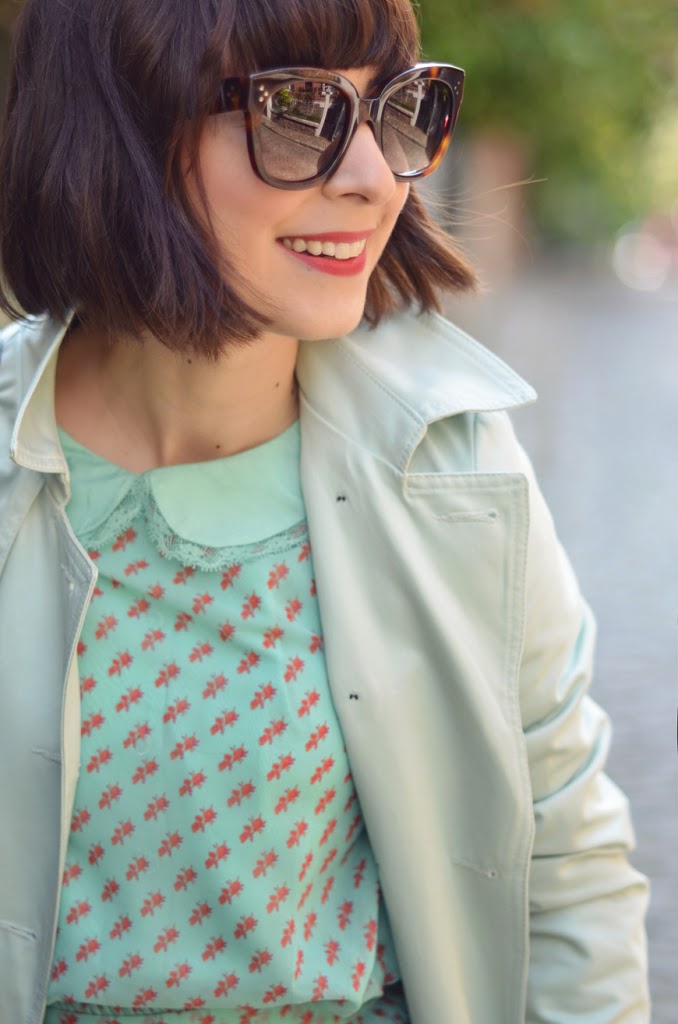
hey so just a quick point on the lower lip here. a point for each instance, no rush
(329, 265)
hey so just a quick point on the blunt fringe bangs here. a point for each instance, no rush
(105, 100)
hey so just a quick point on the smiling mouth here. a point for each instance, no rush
(333, 250)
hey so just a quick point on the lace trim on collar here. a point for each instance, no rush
(140, 503)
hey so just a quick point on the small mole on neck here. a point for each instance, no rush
(217, 446)
(277, 383)
(189, 361)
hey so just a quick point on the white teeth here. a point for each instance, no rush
(340, 250)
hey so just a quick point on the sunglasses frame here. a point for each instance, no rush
(248, 93)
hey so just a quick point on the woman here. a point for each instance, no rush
(207, 790)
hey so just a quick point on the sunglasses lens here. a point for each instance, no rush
(415, 123)
(302, 126)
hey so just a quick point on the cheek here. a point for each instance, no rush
(395, 205)
(392, 212)
(245, 211)
(232, 190)
(400, 198)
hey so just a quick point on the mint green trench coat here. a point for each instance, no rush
(459, 654)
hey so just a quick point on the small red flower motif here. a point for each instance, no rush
(317, 736)
(247, 663)
(264, 693)
(109, 796)
(271, 636)
(200, 651)
(182, 621)
(329, 829)
(200, 913)
(230, 891)
(288, 933)
(226, 985)
(152, 638)
(137, 868)
(213, 947)
(226, 631)
(138, 608)
(214, 685)
(224, 721)
(170, 843)
(80, 819)
(274, 993)
(308, 703)
(283, 764)
(292, 609)
(121, 926)
(87, 949)
(96, 986)
(216, 855)
(165, 939)
(151, 904)
(124, 539)
(235, 756)
(297, 834)
(264, 863)
(132, 696)
(331, 951)
(184, 878)
(229, 576)
(259, 960)
(292, 670)
(120, 662)
(322, 769)
(179, 974)
(277, 574)
(193, 781)
(278, 897)
(319, 988)
(251, 605)
(131, 964)
(344, 916)
(201, 602)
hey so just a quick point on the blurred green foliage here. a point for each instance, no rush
(585, 84)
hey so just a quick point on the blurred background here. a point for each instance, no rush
(562, 186)
(579, 100)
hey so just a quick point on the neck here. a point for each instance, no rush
(142, 406)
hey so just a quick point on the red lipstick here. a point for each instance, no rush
(330, 264)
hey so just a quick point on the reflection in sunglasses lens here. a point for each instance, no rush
(301, 128)
(414, 123)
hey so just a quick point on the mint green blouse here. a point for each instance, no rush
(218, 870)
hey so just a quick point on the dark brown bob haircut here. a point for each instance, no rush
(105, 100)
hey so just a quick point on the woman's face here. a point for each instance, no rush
(305, 296)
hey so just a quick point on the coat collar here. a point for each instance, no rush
(35, 442)
(382, 387)
(379, 387)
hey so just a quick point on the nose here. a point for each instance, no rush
(363, 171)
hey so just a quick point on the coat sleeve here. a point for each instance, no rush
(587, 904)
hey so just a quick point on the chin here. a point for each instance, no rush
(332, 324)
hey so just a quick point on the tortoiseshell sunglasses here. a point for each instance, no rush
(300, 121)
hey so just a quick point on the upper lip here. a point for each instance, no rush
(333, 236)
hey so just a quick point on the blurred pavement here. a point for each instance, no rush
(604, 440)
